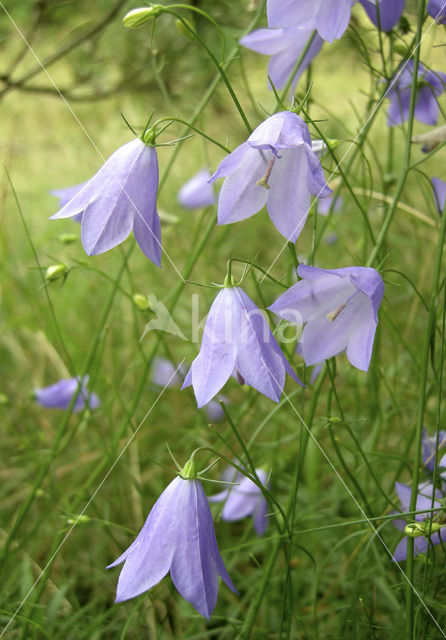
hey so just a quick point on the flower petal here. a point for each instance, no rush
(148, 558)
(216, 360)
(390, 12)
(332, 18)
(439, 188)
(289, 200)
(282, 13)
(240, 196)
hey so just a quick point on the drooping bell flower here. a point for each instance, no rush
(384, 14)
(197, 192)
(244, 499)
(439, 189)
(430, 85)
(339, 308)
(424, 531)
(276, 166)
(285, 45)
(60, 394)
(120, 197)
(66, 194)
(178, 536)
(437, 10)
(329, 17)
(237, 341)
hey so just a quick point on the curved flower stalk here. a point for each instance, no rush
(389, 12)
(439, 189)
(60, 394)
(243, 500)
(120, 197)
(276, 166)
(437, 10)
(430, 85)
(237, 341)
(424, 531)
(329, 17)
(340, 310)
(285, 45)
(178, 536)
(197, 192)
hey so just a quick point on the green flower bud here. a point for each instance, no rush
(141, 301)
(68, 238)
(137, 17)
(189, 471)
(418, 529)
(4, 400)
(79, 520)
(389, 179)
(181, 28)
(56, 271)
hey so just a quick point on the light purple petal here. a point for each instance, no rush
(231, 163)
(390, 12)
(284, 62)
(197, 563)
(329, 204)
(429, 444)
(333, 17)
(66, 194)
(260, 517)
(266, 41)
(289, 199)
(280, 131)
(315, 176)
(426, 107)
(282, 13)
(240, 196)
(439, 188)
(216, 360)
(59, 395)
(148, 558)
(437, 9)
(197, 192)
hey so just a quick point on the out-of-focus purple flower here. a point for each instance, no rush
(285, 45)
(166, 374)
(178, 536)
(429, 444)
(430, 85)
(424, 502)
(244, 499)
(276, 166)
(324, 206)
(197, 192)
(237, 341)
(340, 310)
(439, 189)
(120, 197)
(66, 194)
(437, 10)
(60, 394)
(389, 12)
(329, 17)
(214, 411)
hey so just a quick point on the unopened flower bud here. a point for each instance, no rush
(4, 400)
(149, 137)
(138, 17)
(56, 271)
(79, 520)
(182, 28)
(68, 238)
(141, 301)
(418, 529)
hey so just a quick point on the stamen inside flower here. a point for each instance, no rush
(334, 314)
(263, 182)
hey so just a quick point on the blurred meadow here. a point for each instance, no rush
(332, 575)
